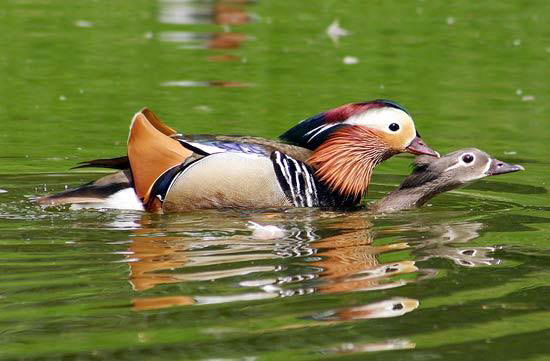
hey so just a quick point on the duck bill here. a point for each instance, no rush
(499, 167)
(418, 147)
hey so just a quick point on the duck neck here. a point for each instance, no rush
(413, 197)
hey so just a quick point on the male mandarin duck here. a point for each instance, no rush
(432, 176)
(324, 161)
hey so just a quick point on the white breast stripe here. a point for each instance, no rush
(310, 189)
(294, 172)
(300, 198)
(284, 169)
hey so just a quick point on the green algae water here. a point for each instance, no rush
(465, 278)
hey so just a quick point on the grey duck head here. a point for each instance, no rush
(456, 168)
(431, 176)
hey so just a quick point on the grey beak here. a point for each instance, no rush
(500, 167)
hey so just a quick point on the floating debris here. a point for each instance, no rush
(62, 98)
(511, 152)
(517, 42)
(335, 32)
(265, 232)
(387, 345)
(450, 20)
(350, 60)
(192, 83)
(519, 92)
(83, 24)
(528, 98)
(202, 108)
(3, 191)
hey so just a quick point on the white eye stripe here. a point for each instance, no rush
(380, 119)
(319, 130)
(456, 165)
(461, 163)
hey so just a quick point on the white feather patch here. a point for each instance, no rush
(123, 199)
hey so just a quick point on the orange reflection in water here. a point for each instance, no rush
(223, 58)
(226, 40)
(229, 13)
(348, 262)
(154, 254)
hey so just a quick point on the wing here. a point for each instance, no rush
(209, 144)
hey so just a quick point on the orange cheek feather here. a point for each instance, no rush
(399, 141)
(345, 160)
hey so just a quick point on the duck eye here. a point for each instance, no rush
(467, 158)
(394, 127)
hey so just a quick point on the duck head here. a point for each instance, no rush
(349, 141)
(432, 176)
(456, 169)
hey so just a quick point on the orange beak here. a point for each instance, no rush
(418, 147)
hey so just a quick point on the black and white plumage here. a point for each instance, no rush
(296, 179)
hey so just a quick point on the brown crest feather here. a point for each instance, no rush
(345, 160)
(151, 153)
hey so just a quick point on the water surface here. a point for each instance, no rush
(463, 278)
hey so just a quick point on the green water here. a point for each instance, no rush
(465, 278)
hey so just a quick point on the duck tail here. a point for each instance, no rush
(111, 191)
(111, 163)
(123, 163)
(151, 152)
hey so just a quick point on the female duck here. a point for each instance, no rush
(324, 161)
(432, 176)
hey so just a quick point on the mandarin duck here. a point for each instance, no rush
(324, 161)
(432, 176)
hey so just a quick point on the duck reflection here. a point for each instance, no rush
(222, 12)
(158, 257)
(192, 40)
(227, 12)
(389, 308)
(185, 12)
(302, 262)
(442, 244)
(350, 262)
